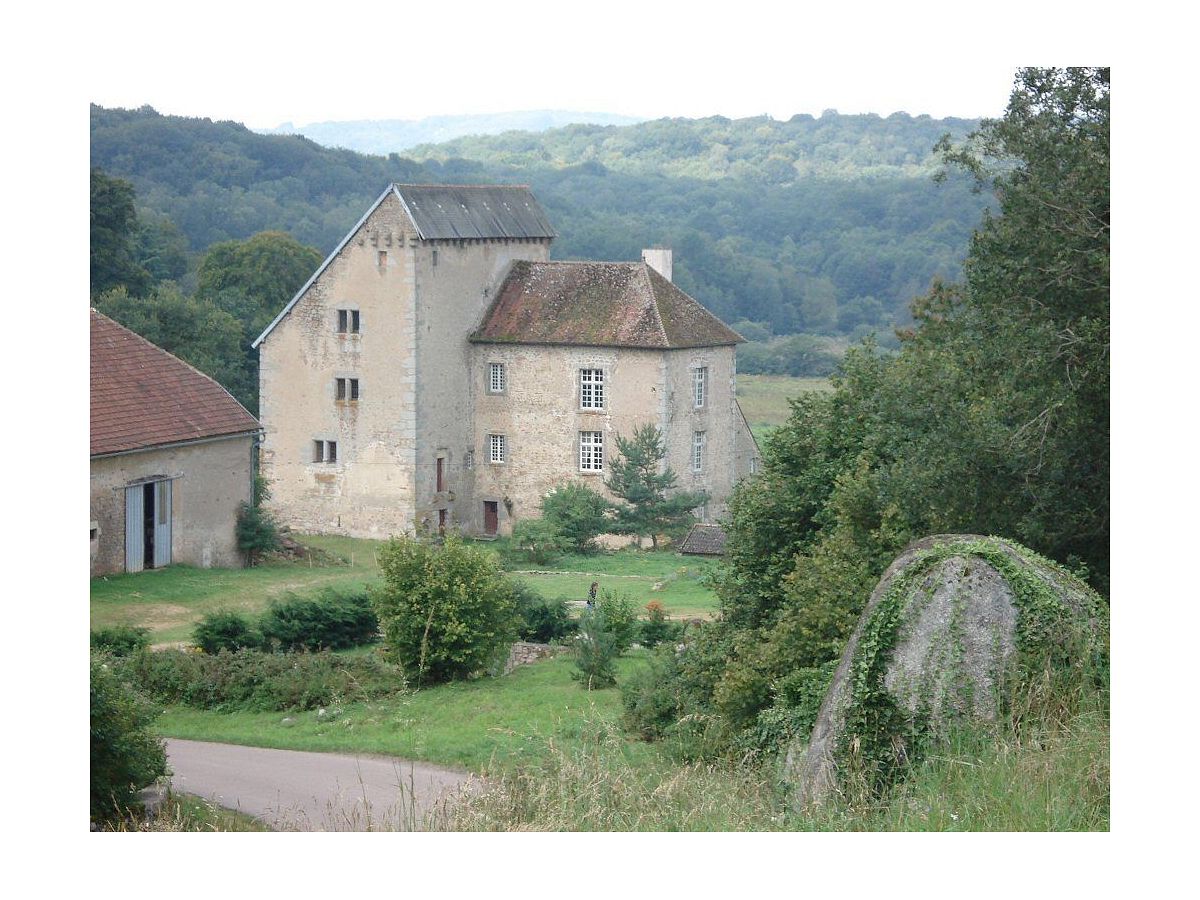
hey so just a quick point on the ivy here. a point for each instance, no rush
(879, 739)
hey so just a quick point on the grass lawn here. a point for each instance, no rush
(170, 601)
(489, 724)
(764, 398)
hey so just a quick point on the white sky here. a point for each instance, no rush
(265, 63)
(409, 60)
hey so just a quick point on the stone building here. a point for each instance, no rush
(171, 458)
(438, 370)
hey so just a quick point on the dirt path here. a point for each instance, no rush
(296, 790)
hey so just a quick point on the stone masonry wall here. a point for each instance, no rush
(209, 480)
(369, 491)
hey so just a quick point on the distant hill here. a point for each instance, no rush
(384, 136)
(828, 225)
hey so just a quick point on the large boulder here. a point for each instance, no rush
(958, 628)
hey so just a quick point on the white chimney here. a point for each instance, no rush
(659, 259)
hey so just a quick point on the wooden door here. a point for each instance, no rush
(491, 516)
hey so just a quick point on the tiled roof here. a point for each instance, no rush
(142, 396)
(599, 305)
(456, 211)
(704, 540)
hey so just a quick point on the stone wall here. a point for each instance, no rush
(369, 491)
(209, 480)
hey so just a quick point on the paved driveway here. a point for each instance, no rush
(295, 790)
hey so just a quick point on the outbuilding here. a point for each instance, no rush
(172, 457)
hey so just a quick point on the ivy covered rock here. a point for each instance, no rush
(959, 630)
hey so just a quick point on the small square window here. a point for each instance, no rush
(591, 389)
(324, 451)
(496, 378)
(347, 321)
(346, 388)
(591, 451)
(497, 452)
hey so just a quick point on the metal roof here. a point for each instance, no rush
(459, 211)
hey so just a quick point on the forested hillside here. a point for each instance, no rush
(829, 225)
(384, 136)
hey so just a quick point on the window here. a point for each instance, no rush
(383, 259)
(698, 448)
(496, 378)
(324, 451)
(699, 386)
(347, 388)
(496, 448)
(591, 451)
(347, 321)
(754, 465)
(591, 389)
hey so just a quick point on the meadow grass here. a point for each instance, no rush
(169, 602)
(764, 398)
(483, 724)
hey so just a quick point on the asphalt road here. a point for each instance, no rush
(295, 790)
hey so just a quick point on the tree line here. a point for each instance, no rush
(992, 418)
(827, 226)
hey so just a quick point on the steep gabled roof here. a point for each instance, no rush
(448, 211)
(598, 305)
(142, 396)
(457, 211)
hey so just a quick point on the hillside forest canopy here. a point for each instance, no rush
(824, 226)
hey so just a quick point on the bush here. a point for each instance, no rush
(259, 681)
(657, 627)
(539, 540)
(225, 630)
(542, 620)
(620, 617)
(577, 514)
(256, 530)
(329, 621)
(126, 755)
(121, 640)
(595, 651)
(446, 611)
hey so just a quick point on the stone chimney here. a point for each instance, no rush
(659, 259)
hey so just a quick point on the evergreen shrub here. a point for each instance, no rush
(121, 640)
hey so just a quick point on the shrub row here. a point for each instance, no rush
(254, 680)
(328, 621)
(121, 640)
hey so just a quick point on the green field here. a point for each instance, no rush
(482, 724)
(170, 601)
(764, 398)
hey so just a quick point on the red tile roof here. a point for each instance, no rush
(142, 396)
(599, 305)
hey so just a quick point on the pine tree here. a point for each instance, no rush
(636, 478)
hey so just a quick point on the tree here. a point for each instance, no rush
(191, 328)
(636, 479)
(255, 278)
(446, 611)
(126, 754)
(114, 232)
(577, 514)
